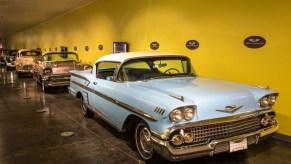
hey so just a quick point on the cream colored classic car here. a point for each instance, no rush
(52, 71)
(25, 61)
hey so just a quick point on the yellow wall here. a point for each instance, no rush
(220, 26)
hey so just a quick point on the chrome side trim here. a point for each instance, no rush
(79, 76)
(119, 103)
(103, 118)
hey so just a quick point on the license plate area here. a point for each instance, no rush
(237, 145)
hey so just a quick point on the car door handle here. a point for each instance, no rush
(95, 83)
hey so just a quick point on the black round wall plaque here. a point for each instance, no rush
(154, 45)
(87, 48)
(192, 44)
(100, 47)
(254, 42)
(75, 48)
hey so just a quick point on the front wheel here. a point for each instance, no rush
(86, 112)
(144, 145)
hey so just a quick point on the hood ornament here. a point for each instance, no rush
(230, 109)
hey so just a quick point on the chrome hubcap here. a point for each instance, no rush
(145, 140)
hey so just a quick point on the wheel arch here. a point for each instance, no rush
(79, 95)
(130, 123)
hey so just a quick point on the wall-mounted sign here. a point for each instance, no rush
(254, 42)
(75, 48)
(192, 44)
(155, 45)
(100, 47)
(87, 48)
(119, 47)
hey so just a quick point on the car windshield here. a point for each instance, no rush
(30, 53)
(60, 57)
(155, 68)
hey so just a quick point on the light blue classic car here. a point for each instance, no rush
(170, 110)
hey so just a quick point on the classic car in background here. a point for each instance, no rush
(3, 54)
(25, 61)
(170, 110)
(52, 70)
(10, 60)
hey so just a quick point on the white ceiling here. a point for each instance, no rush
(19, 15)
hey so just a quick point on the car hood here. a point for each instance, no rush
(29, 59)
(63, 67)
(211, 96)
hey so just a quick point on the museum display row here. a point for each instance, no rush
(158, 98)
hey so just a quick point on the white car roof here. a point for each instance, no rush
(121, 57)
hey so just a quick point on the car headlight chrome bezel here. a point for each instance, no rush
(268, 100)
(185, 113)
(47, 71)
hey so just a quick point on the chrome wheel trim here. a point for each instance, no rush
(143, 141)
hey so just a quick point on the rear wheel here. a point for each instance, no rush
(86, 112)
(142, 136)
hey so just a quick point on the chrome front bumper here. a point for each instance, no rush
(216, 146)
(56, 81)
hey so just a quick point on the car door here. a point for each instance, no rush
(104, 88)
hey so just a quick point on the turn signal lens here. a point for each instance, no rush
(268, 120)
(177, 139)
(188, 137)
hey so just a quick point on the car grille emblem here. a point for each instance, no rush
(230, 109)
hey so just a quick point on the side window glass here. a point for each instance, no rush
(105, 70)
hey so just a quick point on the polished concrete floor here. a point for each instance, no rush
(31, 124)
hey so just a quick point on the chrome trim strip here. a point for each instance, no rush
(79, 76)
(104, 118)
(119, 103)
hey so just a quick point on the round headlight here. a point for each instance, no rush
(272, 100)
(264, 102)
(47, 71)
(189, 113)
(265, 121)
(176, 115)
(272, 120)
(188, 137)
(177, 139)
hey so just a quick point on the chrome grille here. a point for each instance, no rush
(59, 78)
(27, 67)
(205, 133)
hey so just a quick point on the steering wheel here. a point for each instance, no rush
(168, 70)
